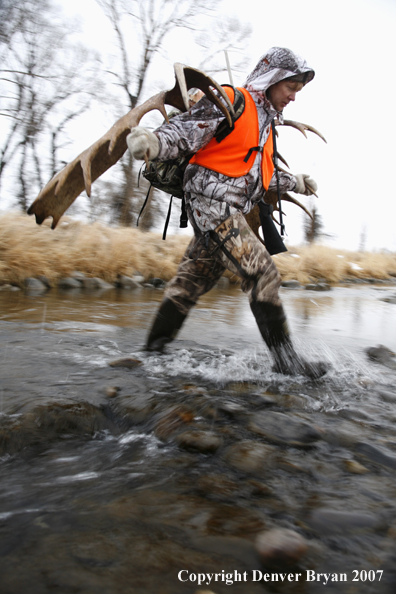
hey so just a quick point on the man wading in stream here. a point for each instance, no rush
(223, 181)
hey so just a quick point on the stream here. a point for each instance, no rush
(176, 473)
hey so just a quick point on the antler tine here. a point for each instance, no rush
(61, 191)
(302, 127)
(193, 77)
(283, 161)
(310, 188)
(287, 198)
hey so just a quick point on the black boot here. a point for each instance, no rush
(272, 323)
(166, 326)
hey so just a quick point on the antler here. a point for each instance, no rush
(61, 191)
(253, 217)
(301, 127)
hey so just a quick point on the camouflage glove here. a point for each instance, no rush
(143, 143)
(305, 184)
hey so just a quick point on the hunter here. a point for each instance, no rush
(222, 183)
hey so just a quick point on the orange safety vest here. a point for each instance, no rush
(233, 155)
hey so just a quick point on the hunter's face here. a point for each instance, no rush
(283, 92)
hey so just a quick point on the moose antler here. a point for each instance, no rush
(61, 191)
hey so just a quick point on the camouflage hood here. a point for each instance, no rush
(276, 65)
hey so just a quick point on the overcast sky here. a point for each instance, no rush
(351, 46)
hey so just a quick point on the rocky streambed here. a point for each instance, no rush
(199, 470)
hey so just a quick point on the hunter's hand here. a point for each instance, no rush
(143, 144)
(305, 184)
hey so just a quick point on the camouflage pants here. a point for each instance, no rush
(232, 246)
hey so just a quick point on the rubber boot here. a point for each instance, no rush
(272, 323)
(166, 325)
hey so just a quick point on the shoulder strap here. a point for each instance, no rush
(223, 129)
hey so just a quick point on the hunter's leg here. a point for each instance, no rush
(197, 273)
(242, 253)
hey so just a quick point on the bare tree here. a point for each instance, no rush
(226, 34)
(313, 226)
(42, 90)
(151, 22)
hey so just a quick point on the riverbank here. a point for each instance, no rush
(96, 250)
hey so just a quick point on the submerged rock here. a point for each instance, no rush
(284, 429)
(206, 442)
(328, 521)
(376, 455)
(51, 422)
(391, 299)
(250, 456)
(128, 362)
(355, 467)
(381, 354)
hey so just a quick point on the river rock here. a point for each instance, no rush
(103, 285)
(127, 282)
(280, 546)
(76, 274)
(112, 391)
(69, 283)
(128, 362)
(250, 456)
(328, 521)
(34, 285)
(172, 420)
(391, 299)
(355, 467)
(44, 280)
(291, 284)
(376, 455)
(95, 283)
(158, 283)
(206, 442)
(381, 354)
(138, 278)
(284, 429)
(318, 287)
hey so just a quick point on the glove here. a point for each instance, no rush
(141, 143)
(301, 188)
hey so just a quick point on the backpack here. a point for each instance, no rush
(168, 175)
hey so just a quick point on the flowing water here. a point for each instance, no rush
(115, 479)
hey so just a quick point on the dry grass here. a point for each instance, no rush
(320, 263)
(27, 249)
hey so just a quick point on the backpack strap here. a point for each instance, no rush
(167, 219)
(144, 204)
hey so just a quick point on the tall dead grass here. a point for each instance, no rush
(27, 250)
(315, 263)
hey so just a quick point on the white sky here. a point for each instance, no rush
(351, 45)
